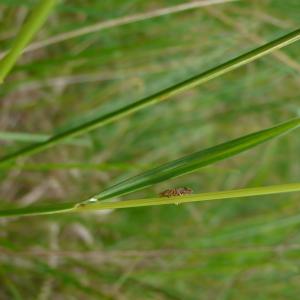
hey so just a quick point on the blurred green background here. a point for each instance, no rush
(233, 249)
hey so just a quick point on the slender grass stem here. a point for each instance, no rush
(38, 210)
(71, 207)
(249, 192)
(34, 22)
(158, 97)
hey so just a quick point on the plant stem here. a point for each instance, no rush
(34, 22)
(71, 207)
(157, 97)
(248, 192)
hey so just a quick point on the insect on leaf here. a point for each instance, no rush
(194, 161)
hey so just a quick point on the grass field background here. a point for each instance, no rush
(233, 249)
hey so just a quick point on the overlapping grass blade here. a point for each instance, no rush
(102, 205)
(157, 97)
(195, 161)
(35, 21)
(173, 169)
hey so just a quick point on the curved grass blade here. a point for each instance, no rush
(71, 207)
(35, 21)
(157, 97)
(192, 162)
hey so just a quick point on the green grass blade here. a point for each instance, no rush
(173, 169)
(38, 210)
(157, 97)
(35, 21)
(195, 161)
(71, 207)
(248, 192)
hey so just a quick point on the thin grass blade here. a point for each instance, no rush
(247, 192)
(157, 97)
(193, 162)
(71, 207)
(38, 210)
(33, 24)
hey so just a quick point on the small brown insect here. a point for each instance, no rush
(176, 192)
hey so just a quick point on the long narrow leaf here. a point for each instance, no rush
(37, 210)
(157, 97)
(248, 192)
(71, 207)
(176, 168)
(34, 22)
(195, 161)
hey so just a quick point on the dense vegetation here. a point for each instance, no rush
(236, 248)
